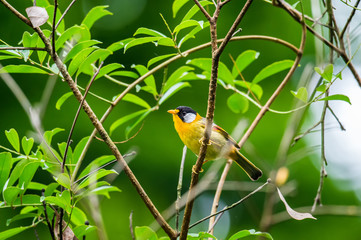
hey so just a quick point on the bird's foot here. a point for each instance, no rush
(194, 170)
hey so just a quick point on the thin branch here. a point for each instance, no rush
(47, 218)
(234, 26)
(131, 225)
(337, 119)
(65, 12)
(16, 13)
(233, 205)
(297, 138)
(349, 20)
(179, 188)
(53, 26)
(204, 11)
(217, 196)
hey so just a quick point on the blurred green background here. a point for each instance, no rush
(158, 146)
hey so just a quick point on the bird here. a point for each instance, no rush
(190, 127)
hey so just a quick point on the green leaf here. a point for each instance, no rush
(26, 200)
(27, 144)
(78, 217)
(95, 14)
(5, 167)
(79, 149)
(322, 87)
(149, 81)
(237, 103)
(108, 68)
(74, 34)
(301, 94)
(178, 4)
(83, 230)
(42, 54)
(27, 175)
(50, 11)
(62, 200)
(200, 236)
(48, 135)
(94, 177)
(63, 179)
(96, 163)
(159, 58)
(255, 88)
(187, 24)
(78, 59)
(129, 74)
(140, 41)
(62, 99)
(49, 190)
(340, 97)
(86, 66)
(272, 69)
(20, 217)
(22, 69)
(36, 186)
(105, 190)
(78, 47)
(251, 232)
(15, 174)
(119, 45)
(30, 40)
(166, 41)
(10, 194)
(192, 33)
(145, 233)
(136, 100)
(195, 9)
(176, 77)
(124, 119)
(206, 64)
(327, 73)
(12, 232)
(244, 60)
(149, 32)
(172, 90)
(7, 57)
(13, 138)
(129, 129)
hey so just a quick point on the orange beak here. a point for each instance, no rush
(175, 111)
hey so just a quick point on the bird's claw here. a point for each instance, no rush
(194, 170)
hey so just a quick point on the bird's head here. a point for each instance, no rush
(186, 114)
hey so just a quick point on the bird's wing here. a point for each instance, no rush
(221, 131)
(225, 135)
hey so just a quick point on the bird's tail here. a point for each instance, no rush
(252, 171)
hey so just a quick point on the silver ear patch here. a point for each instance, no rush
(189, 117)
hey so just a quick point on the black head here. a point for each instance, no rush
(186, 114)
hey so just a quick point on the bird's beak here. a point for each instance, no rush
(175, 111)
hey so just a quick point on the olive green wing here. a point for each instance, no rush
(221, 131)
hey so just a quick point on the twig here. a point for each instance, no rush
(53, 26)
(46, 217)
(349, 20)
(65, 12)
(233, 205)
(297, 138)
(337, 119)
(217, 196)
(179, 188)
(131, 225)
